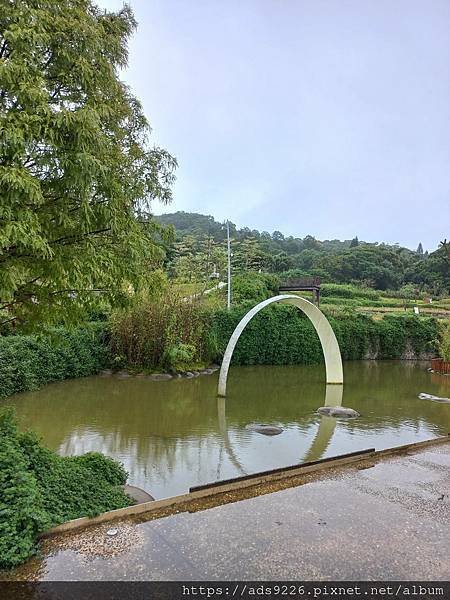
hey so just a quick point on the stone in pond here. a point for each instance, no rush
(160, 377)
(123, 374)
(338, 411)
(423, 396)
(264, 429)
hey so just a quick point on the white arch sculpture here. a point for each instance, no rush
(330, 346)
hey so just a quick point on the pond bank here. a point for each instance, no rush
(377, 519)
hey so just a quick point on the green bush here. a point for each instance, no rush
(39, 489)
(443, 342)
(282, 335)
(29, 361)
(179, 357)
(166, 332)
(348, 291)
(253, 287)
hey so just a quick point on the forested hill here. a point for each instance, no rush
(197, 225)
(200, 239)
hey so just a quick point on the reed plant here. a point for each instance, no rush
(169, 332)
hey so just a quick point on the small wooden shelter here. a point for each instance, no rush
(302, 284)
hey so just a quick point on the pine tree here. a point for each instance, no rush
(419, 248)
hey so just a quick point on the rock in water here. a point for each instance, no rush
(123, 374)
(423, 396)
(160, 377)
(338, 411)
(264, 429)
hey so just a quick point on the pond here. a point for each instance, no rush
(172, 435)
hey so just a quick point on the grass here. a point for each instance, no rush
(381, 303)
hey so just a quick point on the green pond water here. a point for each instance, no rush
(172, 435)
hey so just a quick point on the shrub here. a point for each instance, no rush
(168, 331)
(22, 514)
(39, 489)
(253, 287)
(398, 332)
(443, 342)
(348, 291)
(179, 357)
(408, 291)
(29, 361)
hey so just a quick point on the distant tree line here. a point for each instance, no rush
(199, 248)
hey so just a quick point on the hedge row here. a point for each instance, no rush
(282, 335)
(29, 361)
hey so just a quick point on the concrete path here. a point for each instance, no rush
(388, 520)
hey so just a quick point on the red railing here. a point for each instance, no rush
(440, 366)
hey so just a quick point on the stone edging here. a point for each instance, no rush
(125, 374)
(217, 488)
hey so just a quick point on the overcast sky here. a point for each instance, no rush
(321, 117)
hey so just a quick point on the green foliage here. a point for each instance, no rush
(179, 357)
(348, 291)
(39, 489)
(77, 174)
(382, 266)
(253, 287)
(397, 333)
(29, 361)
(371, 265)
(168, 331)
(195, 224)
(443, 342)
(432, 272)
(281, 335)
(408, 291)
(22, 514)
(195, 258)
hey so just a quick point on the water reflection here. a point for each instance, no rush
(223, 429)
(327, 425)
(177, 434)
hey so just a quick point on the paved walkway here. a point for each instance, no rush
(388, 520)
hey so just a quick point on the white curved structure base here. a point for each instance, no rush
(330, 346)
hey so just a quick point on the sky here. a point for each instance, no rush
(321, 117)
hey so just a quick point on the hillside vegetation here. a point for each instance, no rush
(199, 250)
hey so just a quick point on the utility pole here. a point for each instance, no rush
(229, 266)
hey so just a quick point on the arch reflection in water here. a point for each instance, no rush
(327, 425)
(319, 445)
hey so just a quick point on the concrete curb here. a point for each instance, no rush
(222, 487)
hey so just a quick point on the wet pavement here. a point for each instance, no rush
(385, 520)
